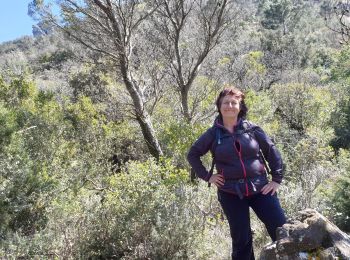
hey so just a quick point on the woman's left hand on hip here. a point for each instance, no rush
(270, 187)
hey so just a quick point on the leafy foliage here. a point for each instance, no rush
(338, 205)
(43, 145)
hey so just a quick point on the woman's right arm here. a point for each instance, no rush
(198, 149)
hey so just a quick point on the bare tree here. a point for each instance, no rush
(340, 12)
(185, 33)
(108, 27)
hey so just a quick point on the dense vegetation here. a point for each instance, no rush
(93, 148)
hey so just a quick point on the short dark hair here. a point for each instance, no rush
(233, 91)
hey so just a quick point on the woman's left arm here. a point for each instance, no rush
(273, 158)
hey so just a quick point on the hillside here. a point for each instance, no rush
(96, 125)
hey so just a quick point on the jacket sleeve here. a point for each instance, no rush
(271, 154)
(198, 149)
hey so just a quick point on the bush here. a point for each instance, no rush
(336, 192)
(48, 148)
(147, 211)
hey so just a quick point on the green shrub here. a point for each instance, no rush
(337, 193)
(147, 211)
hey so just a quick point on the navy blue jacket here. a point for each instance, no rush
(237, 157)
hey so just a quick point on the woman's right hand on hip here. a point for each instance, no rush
(217, 179)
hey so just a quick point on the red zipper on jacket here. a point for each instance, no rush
(243, 167)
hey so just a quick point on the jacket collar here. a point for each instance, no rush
(219, 123)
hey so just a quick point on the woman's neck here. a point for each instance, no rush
(230, 123)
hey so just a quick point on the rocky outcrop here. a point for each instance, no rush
(308, 236)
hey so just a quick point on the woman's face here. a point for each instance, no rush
(230, 106)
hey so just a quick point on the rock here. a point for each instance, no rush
(309, 235)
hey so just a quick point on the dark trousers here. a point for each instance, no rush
(266, 207)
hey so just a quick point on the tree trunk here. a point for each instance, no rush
(184, 104)
(149, 135)
(142, 116)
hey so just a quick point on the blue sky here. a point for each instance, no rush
(14, 20)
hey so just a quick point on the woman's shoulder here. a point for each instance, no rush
(209, 132)
(252, 127)
(249, 125)
(206, 137)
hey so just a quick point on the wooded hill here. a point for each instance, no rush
(99, 108)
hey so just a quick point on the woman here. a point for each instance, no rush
(238, 148)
